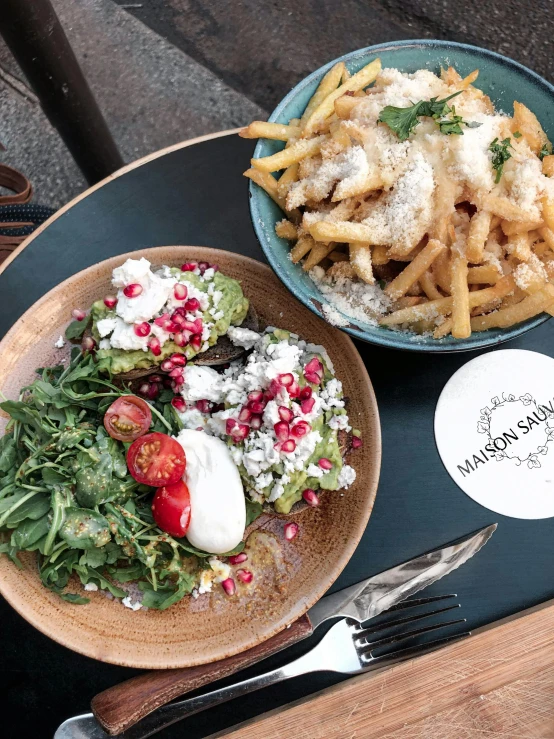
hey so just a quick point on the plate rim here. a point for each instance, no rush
(49, 629)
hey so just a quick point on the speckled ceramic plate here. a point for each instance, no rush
(499, 77)
(296, 574)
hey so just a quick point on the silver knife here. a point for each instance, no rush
(360, 602)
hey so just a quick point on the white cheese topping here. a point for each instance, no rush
(218, 512)
(155, 291)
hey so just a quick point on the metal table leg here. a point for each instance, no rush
(38, 42)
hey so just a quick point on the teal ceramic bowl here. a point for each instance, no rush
(502, 79)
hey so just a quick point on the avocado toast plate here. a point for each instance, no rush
(293, 574)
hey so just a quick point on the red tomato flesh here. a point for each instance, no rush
(127, 418)
(171, 508)
(156, 459)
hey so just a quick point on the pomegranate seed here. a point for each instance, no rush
(356, 442)
(176, 385)
(188, 267)
(192, 304)
(285, 414)
(282, 430)
(255, 407)
(268, 396)
(156, 378)
(153, 391)
(179, 338)
(78, 314)
(312, 378)
(277, 446)
(178, 319)
(228, 586)
(142, 329)
(256, 423)
(230, 425)
(245, 415)
(110, 301)
(204, 406)
(288, 446)
(180, 291)
(285, 380)
(314, 365)
(162, 320)
(176, 373)
(196, 342)
(290, 530)
(256, 396)
(274, 389)
(294, 390)
(132, 291)
(167, 382)
(244, 575)
(155, 346)
(215, 267)
(238, 559)
(300, 429)
(238, 431)
(310, 497)
(203, 266)
(88, 344)
(144, 389)
(179, 360)
(167, 365)
(179, 404)
(325, 463)
(305, 393)
(307, 405)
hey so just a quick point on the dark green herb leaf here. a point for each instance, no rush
(33, 508)
(94, 557)
(517, 135)
(8, 453)
(545, 151)
(85, 529)
(403, 121)
(253, 510)
(29, 532)
(77, 328)
(500, 155)
(78, 600)
(92, 484)
(53, 477)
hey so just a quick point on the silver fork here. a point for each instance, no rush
(347, 649)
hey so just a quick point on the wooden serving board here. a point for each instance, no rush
(496, 684)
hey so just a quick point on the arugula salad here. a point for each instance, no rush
(144, 488)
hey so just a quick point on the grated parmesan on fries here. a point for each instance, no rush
(405, 196)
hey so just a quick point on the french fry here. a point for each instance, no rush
(486, 274)
(450, 76)
(495, 222)
(360, 259)
(345, 75)
(528, 308)
(444, 329)
(408, 301)
(358, 81)
(289, 176)
(301, 248)
(501, 206)
(282, 159)
(401, 284)
(428, 285)
(379, 255)
(318, 252)
(479, 228)
(276, 131)
(548, 236)
(342, 191)
(443, 306)
(269, 184)
(341, 269)
(342, 231)
(338, 256)
(345, 105)
(339, 135)
(548, 212)
(441, 272)
(469, 80)
(328, 83)
(548, 165)
(519, 247)
(461, 328)
(286, 230)
(528, 125)
(519, 227)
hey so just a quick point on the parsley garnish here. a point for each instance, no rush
(517, 135)
(545, 151)
(404, 120)
(500, 155)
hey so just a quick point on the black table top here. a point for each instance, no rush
(196, 195)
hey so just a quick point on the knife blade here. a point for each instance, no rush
(361, 602)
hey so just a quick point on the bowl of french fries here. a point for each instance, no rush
(405, 193)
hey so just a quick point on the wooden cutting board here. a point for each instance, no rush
(496, 684)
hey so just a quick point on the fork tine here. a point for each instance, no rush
(413, 602)
(406, 620)
(370, 646)
(419, 649)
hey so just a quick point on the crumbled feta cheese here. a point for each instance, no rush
(221, 570)
(60, 343)
(128, 603)
(314, 470)
(91, 587)
(346, 477)
(201, 383)
(243, 336)
(155, 291)
(105, 326)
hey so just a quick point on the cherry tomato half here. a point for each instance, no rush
(156, 459)
(171, 508)
(127, 418)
